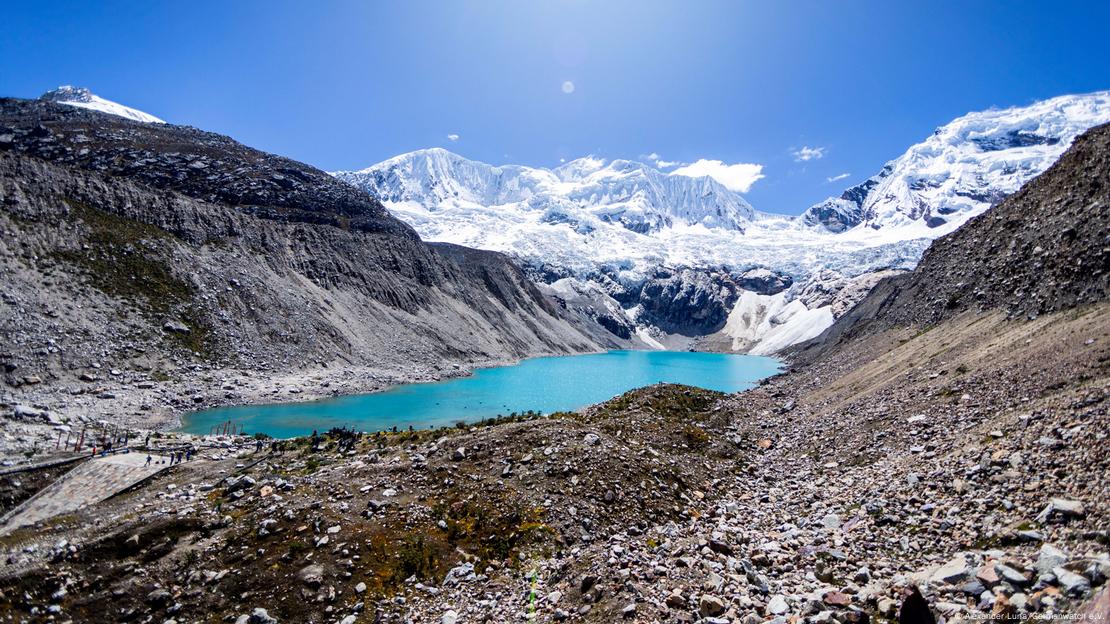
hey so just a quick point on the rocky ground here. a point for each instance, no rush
(967, 461)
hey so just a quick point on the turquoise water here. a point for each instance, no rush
(545, 385)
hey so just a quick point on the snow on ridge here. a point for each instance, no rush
(581, 194)
(964, 167)
(83, 98)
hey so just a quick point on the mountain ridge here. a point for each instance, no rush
(188, 252)
(558, 231)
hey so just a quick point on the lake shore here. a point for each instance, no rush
(543, 384)
(44, 412)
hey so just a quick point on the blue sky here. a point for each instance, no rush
(343, 85)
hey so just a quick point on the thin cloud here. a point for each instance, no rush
(838, 177)
(808, 153)
(658, 161)
(739, 177)
(452, 137)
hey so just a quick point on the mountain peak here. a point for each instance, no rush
(582, 195)
(964, 167)
(83, 98)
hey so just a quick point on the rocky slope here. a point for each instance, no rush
(150, 257)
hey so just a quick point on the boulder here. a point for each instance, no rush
(710, 606)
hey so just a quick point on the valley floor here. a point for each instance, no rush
(967, 459)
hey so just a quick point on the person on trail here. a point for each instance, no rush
(148, 458)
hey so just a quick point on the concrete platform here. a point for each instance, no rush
(88, 483)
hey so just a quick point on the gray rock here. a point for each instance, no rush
(953, 572)
(459, 574)
(159, 598)
(1067, 507)
(1011, 575)
(312, 575)
(1073, 584)
(176, 327)
(777, 605)
(258, 616)
(1048, 558)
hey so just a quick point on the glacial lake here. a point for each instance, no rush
(547, 384)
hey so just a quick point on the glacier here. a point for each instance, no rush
(963, 168)
(610, 225)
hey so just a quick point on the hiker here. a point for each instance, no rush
(148, 458)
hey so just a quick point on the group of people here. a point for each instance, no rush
(175, 457)
(276, 446)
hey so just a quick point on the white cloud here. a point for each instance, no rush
(658, 161)
(452, 137)
(838, 177)
(808, 153)
(739, 177)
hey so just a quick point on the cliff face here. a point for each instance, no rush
(160, 247)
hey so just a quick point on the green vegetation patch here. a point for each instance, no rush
(120, 259)
(492, 531)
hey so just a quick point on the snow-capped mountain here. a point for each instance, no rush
(672, 251)
(580, 193)
(964, 167)
(674, 254)
(83, 98)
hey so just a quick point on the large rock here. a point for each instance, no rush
(1073, 584)
(1048, 558)
(312, 575)
(955, 571)
(710, 606)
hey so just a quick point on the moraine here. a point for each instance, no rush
(545, 385)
